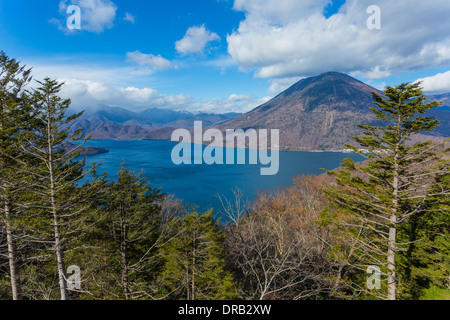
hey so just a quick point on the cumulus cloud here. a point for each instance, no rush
(149, 60)
(91, 86)
(96, 15)
(439, 83)
(91, 95)
(293, 38)
(86, 94)
(278, 12)
(195, 40)
(106, 73)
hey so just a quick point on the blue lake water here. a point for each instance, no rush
(200, 184)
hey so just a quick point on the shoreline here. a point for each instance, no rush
(346, 150)
(206, 144)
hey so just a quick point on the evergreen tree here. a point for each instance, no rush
(427, 262)
(58, 207)
(376, 198)
(194, 266)
(128, 233)
(14, 113)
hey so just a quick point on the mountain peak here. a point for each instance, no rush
(326, 89)
(334, 74)
(319, 112)
(332, 82)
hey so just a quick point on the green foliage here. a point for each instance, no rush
(5, 291)
(59, 208)
(435, 293)
(128, 234)
(15, 112)
(426, 263)
(374, 199)
(194, 266)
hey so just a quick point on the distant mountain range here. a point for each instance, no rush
(317, 113)
(151, 124)
(444, 98)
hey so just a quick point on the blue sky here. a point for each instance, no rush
(219, 55)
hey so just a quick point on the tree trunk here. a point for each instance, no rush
(193, 274)
(14, 271)
(124, 261)
(194, 254)
(392, 285)
(60, 262)
(392, 281)
(59, 251)
(188, 289)
(125, 281)
(58, 245)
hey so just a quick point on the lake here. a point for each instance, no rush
(200, 184)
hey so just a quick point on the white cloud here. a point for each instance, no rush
(239, 97)
(91, 86)
(195, 40)
(90, 95)
(149, 60)
(293, 38)
(96, 15)
(234, 103)
(129, 17)
(278, 12)
(87, 94)
(439, 83)
(377, 84)
(279, 85)
(106, 73)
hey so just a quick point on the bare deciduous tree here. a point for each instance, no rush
(278, 250)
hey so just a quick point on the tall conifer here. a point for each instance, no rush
(14, 113)
(379, 196)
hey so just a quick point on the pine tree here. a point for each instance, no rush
(129, 232)
(426, 263)
(194, 266)
(14, 113)
(58, 206)
(376, 198)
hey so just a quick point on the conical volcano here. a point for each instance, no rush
(317, 113)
